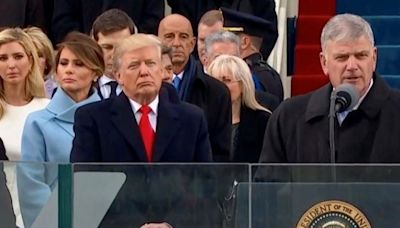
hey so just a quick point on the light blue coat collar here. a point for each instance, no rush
(63, 107)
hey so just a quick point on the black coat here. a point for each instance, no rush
(266, 75)
(250, 135)
(79, 15)
(214, 98)
(194, 9)
(7, 216)
(6, 210)
(298, 130)
(22, 13)
(107, 131)
(267, 100)
(3, 155)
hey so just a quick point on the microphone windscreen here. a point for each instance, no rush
(350, 93)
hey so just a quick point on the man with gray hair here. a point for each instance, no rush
(298, 130)
(228, 43)
(219, 43)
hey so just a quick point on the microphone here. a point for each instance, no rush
(346, 97)
(343, 98)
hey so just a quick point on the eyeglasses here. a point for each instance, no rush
(228, 80)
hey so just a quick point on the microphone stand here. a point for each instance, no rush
(332, 116)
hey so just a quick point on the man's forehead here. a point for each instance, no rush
(141, 53)
(176, 26)
(217, 26)
(119, 34)
(358, 44)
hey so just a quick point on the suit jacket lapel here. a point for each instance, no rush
(123, 118)
(167, 125)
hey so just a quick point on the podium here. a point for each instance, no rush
(225, 195)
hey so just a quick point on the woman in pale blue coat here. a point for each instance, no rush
(48, 133)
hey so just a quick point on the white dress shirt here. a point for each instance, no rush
(105, 89)
(180, 75)
(152, 115)
(341, 116)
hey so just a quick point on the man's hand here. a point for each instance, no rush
(156, 225)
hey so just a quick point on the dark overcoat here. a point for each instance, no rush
(250, 135)
(298, 130)
(214, 98)
(266, 75)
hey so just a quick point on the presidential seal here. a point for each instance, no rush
(333, 214)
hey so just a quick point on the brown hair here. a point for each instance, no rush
(110, 21)
(85, 49)
(211, 17)
(165, 50)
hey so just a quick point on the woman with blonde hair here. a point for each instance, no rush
(21, 92)
(48, 133)
(249, 118)
(45, 51)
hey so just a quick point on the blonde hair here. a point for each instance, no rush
(44, 47)
(134, 42)
(34, 84)
(240, 71)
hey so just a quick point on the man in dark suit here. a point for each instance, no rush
(196, 87)
(114, 125)
(120, 129)
(108, 30)
(298, 131)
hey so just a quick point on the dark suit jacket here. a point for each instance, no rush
(6, 210)
(298, 131)
(79, 15)
(3, 155)
(7, 216)
(250, 135)
(266, 75)
(107, 131)
(213, 97)
(267, 100)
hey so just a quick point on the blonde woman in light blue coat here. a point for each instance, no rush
(48, 133)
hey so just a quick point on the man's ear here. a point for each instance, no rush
(117, 76)
(323, 60)
(375, 57)
(193, 43)
(245, 42)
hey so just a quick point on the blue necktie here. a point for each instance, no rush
(176, 82)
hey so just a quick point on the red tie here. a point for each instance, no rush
(146, 131)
